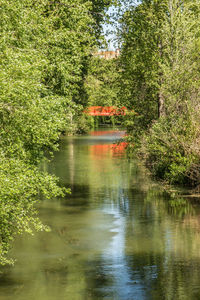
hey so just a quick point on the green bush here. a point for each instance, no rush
(169, 153)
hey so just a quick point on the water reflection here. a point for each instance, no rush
(117, 236)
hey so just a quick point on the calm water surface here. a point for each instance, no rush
(117, 236)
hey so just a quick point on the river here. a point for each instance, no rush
(117, 236)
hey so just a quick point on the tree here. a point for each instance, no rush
(160, 45)
(140, 57)
(43, 47)
(102, 82)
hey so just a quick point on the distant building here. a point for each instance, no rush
(107, 54)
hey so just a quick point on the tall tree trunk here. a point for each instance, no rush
(161, 105)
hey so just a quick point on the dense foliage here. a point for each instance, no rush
(44, 49)
(102, 82)
(160, 78)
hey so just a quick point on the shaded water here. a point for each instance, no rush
(117, 236)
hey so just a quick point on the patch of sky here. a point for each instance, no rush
(111, 26)
(110, 29)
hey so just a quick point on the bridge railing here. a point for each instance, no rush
(105, 111)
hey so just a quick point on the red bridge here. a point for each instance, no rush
(105, 111)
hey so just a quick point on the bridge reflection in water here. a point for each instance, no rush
(115, 149)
